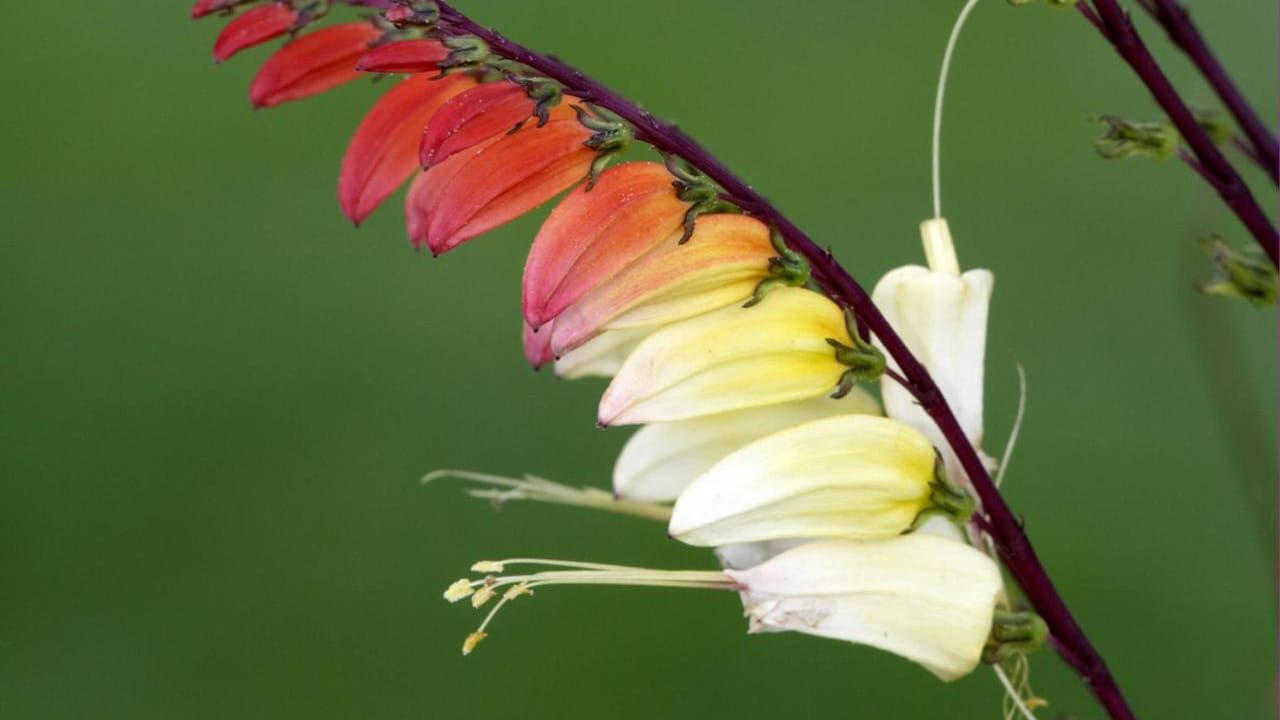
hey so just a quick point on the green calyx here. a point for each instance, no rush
(545, 93)
(703, 194)
(1123, 139)
(1013, 632)
(611, 137)
(945, 499)
(786, 269)
(466, 52)
(1245, 274)
(864, 360)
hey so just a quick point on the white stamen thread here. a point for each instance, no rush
(537, 489)
(1012, 693)
(937, 105)
(581, 574)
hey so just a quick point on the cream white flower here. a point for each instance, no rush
(847, 476)
(925, 598)
(941, 315)
(661, 459)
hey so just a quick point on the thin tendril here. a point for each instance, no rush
(937, 105)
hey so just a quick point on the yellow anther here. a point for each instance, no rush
(472, 641)
(458, 590)
(516, 591)
(482, 596)
(487, 566)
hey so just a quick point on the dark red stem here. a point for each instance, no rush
(1005, 529)
(1116, 25)
(1176, 21)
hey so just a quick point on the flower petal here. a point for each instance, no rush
(384, 151)
(537, 345)
(601, 356)
(209, 7)
(922, 597)
(943, 320)
(252, 27)
(721, 264)
(591, 235)
(852, 476)
(311, 64)
(730, 359)
(500, 182)
(472, 117)
(662, 459)
(404, 56)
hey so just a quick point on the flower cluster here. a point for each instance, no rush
(708, 325)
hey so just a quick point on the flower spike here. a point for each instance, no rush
(384, 151)
(312, 64)
(254, 27)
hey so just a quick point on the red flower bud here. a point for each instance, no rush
(384, 150)
(472, 117)
(537, 346)
(311, 64)
(254, 27)
(209, 7)
(398, 14)
(474, 192)
(405, 56)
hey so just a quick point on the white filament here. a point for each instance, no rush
(937, 105)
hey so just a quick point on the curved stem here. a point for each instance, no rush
(1176, 21)
(1117, 27)
(1006, 530)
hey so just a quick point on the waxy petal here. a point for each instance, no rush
(602, 356)
(498, 183)
(311, 64)
(471, 117)
(662, 459)
(851, 476)
(253, 27)
(404, 56)
(730, 359)
(384, 150)
(943, 320)
(925, 598)
(591, 235)
(722, 264)
(537, 345)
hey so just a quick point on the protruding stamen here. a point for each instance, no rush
(458, 590)
(472, 641)
(482, 596)
(537, 489)
(487, 566)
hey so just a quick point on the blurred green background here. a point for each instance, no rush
(216, 397)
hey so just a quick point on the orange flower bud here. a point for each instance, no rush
(591, 235)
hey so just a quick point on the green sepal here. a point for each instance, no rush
(1020, 631)
(466, 52)
(786, 269)
(611, 137)
(864, 360)
(945, 499)
(1123, 139)
(1246, 274)
(704, 196)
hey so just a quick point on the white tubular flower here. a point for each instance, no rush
(661, 459)
(848, 476)
(730, 359)
(925, 598)
(602, 355)
(941, 315)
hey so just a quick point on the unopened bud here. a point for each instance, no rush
(1124, 139)
(1244, 274)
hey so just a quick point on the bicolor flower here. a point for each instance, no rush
(847, 476)
(731, 359)
(941, 315)
(590, 237)
(661, 459)
(312, 64)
